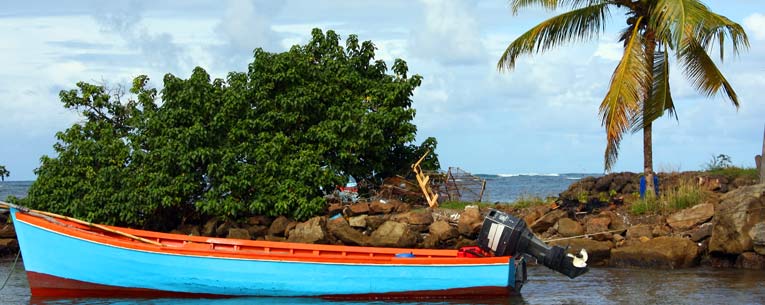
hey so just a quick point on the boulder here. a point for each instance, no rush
(660, 252)
(547, 221)
(638, 231)
(597, 251)
(757, 234)
(660, 230)
(382, 206)
(702, 232)
(690, 217)
(257, 231)
(393, 234)
(278, 226)
(222, 229)
(535, 213)
(374, 222)
(568, 227)
(420, 217)
(209, 228)
(617, 221)
(598, 228)
(238, 234)
(734, 218)
(441, 231)
(470, 222)
(358, 221)
(342, 230)
(260, 220)
(750, 260)
(334, 208)
(359, 208)
(8, 231)
(8, 246)
(311, 232)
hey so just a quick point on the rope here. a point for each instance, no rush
(10, 272)
(583, 235)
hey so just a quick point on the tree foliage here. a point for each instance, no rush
(272, 140)
(4, 173)
(639, 91)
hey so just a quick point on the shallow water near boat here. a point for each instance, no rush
(600, 286)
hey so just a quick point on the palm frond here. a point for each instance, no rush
(629, 84)
(674, 19)
(580, 24)
(661, 97)
(702, 71)
(714, 28)
(670, 18)
(550, 5)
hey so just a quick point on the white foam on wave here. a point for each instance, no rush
(528, 174)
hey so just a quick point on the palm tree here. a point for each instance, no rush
(639, 91)
(3, 173)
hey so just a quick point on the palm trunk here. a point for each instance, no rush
(647, 141)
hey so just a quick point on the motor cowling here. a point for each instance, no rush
(505, 235)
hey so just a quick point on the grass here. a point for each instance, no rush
(685, 195)
(528, 201)
(460, 205)
(735, 171)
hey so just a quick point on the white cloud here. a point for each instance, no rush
(450, 33)
(755, 24)
(610, 51)
(247, 25)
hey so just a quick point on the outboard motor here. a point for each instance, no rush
(505, 235)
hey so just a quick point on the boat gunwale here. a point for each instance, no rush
(294, 252)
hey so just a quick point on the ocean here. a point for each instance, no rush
(499, 187)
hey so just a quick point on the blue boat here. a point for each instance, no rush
(66, 257)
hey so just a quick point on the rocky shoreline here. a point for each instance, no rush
(727, 230)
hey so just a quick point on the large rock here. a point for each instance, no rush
(382, 206)
(209, 228)
(597, 251)
(598, 228)
(534, 213)
(238, 234)
(617, 221)
(9, 246)
(260, 220)
(278, 226)
(393, 234)
(547, 221)
(470, 222)
(736, 214)
(311, 232)
(702, 232)
(568, 227)
(750, 260)
(691, 217)
(257, 231)
(635, 232)
(358, 221)
(8, 231)
(660, 252)
(343, 231)
(441, 231)
(757, 234)
(420, 217)
(359, 208)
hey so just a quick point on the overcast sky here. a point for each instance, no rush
(540, 118)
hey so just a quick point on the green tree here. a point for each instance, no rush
(272, 140)
(4, 173)
(639, 92)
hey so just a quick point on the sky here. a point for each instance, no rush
(541, 117)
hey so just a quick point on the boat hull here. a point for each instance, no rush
(66, 265)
